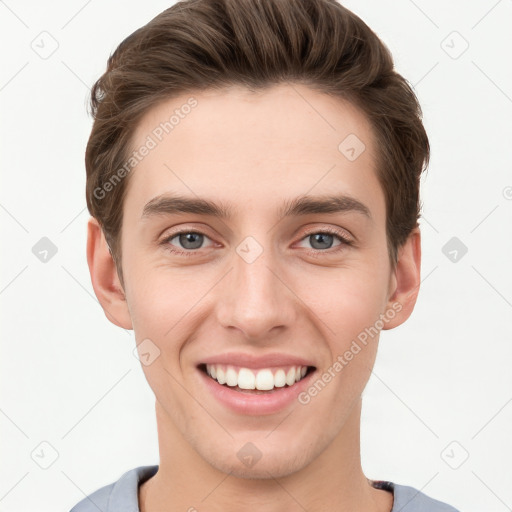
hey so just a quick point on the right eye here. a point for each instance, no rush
(189, 240)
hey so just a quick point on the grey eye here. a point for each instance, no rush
(321, 240)
(188, 240)
(191, 240)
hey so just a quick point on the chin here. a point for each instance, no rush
(260, 471)
(262, 466)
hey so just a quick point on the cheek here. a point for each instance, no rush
(164, 304)
(163, 300)
(349, 303)
(352, 312)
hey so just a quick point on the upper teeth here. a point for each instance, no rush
(264, 379)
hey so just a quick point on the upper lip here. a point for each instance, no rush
(254, 362)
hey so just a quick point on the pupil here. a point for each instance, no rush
(191, 240)
(321, 238)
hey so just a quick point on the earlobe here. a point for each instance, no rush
(104, 278)
(406, 279)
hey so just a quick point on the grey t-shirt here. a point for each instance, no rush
(122, 496)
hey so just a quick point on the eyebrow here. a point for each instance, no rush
(168, 204)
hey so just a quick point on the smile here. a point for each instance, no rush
(263, 379)
(255, 385)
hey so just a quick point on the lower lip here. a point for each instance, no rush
(255, 404)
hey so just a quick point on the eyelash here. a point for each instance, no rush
(314, 252)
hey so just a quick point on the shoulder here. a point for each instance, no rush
(409, 499)
(118, 496)
(97, 500)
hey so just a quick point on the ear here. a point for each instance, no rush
(405, 281)
(105, 281)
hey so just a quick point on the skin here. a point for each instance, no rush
(253, 151)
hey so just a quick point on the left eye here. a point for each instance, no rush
(319, 240)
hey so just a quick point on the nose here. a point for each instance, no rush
(256, 298)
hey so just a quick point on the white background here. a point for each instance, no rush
(442, 385)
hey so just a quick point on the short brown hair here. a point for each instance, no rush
(205, 44)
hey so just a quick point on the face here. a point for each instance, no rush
(272, 280)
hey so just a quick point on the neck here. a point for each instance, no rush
(334, 480)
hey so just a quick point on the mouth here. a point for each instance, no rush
(256, 381)
(255, 385)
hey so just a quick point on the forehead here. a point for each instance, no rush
(246, 148)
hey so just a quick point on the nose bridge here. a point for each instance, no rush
(255, 300)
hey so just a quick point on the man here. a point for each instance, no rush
(253, 183)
